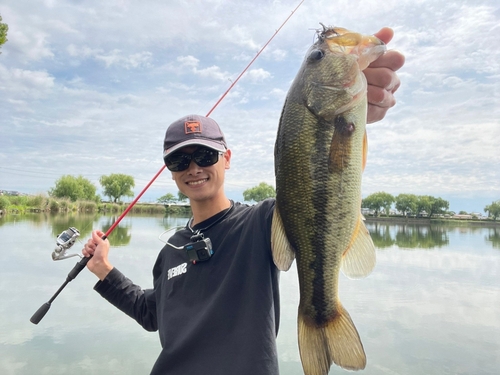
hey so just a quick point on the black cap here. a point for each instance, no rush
(193, 130)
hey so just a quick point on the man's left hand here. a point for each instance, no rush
(382, 79)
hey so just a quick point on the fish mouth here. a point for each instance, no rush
(339, 40)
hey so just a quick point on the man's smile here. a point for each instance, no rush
(197, 182)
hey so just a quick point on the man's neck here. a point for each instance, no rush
(203, 210)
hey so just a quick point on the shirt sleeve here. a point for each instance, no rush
(138, 303)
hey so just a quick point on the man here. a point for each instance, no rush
(215, 300)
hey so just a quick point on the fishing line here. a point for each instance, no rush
(40, 313)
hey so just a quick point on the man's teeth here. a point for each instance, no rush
(197, 182)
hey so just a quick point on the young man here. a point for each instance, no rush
(215, 300)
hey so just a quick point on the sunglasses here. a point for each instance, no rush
(203, 157)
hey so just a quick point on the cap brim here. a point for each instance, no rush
(196, 142)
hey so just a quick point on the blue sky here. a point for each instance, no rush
(89, 87)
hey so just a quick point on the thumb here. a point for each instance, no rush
(97, 237)
(385, 34)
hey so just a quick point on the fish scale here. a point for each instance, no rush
(319, 158)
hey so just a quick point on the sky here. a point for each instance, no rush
(89, 88)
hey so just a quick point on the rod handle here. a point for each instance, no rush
(40, 313)
(78, 268)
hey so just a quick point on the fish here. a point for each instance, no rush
(320, 154)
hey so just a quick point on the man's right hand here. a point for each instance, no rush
(99, 249)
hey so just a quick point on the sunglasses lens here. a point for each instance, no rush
(178, 162)
(205, 157)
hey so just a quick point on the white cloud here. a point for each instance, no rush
(31, 47)
(212, 72)
(279, 54)
(83, 51)
(20, 105)
(278, 93)
(258, 75)
(115, 57)
(189, 61)
(23, 83)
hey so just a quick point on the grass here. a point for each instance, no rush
(39, 203)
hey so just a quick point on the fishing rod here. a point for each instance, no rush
(67, 238)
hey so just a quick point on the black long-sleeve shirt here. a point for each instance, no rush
(215, 317)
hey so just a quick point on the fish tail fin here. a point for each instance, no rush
(336, 342)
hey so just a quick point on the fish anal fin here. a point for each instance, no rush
(337, 342)
(359, 259)
(283, 252)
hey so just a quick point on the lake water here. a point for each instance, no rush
(431, 306)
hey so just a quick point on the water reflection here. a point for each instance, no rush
(35, 219)
(408, 236)
(61, 222)
(494, 237)
(381, 235)
(120, 236)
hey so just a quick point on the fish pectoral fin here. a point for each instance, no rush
(283, 252)
(337, 342)
(359, 259)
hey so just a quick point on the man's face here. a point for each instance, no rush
(202, 183)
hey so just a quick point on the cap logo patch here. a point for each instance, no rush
(192, 127)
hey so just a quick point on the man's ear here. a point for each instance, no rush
(227, 159)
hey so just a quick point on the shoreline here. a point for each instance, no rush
(427, 221)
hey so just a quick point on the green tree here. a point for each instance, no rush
(377, 201)
(463, 213)
(437, 206)
(259, 193)
(493, 210)
(73, 188)
(117, 185)
(406, 203)
(181, 197)
(422, 204)
(3, 32)
(167, 199)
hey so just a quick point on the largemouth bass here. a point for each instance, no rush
(320, 154)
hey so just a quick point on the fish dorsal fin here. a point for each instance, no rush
(283, 252)
(359, 259)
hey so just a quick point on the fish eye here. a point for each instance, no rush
(316, 55)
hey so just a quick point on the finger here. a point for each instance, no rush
(385, 34)
(375, 113)
(392, 59)
(87, 251)
(380, 97)
(96, 236)
(383, 78)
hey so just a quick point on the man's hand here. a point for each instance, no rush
(382, 79)
(99, 249)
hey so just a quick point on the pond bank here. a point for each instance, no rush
(427, 221)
